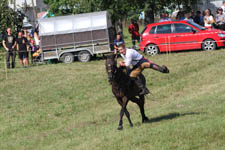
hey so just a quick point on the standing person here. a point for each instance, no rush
(220, 19)
(118, 41)
(33, 49)
(22, 48)
(208, 19)
(36, 38)
(164, 17)
(198, 18)
(188, 17)
(223, 7)
(134, 31)
(139, 63)
(9, 44)
(180, 16)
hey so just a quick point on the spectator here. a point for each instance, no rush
(164, 17)
(33, 49)
(180, 16)
(22, 48)
(220, 19)
(199, 19)
(36, 38)
(134, 31)
(188, 17)
(9, 44)
(208, 19)
(118, 41)
(223, 7)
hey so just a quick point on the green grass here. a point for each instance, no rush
(71, 107)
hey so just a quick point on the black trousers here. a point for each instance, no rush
(11, 54)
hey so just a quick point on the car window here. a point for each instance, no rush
(182, 28)
(163, 29)
(152, 31)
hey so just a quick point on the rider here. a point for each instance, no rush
(139, 63)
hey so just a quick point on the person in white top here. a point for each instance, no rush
(223, 7)
(139, 63)
(208, 19)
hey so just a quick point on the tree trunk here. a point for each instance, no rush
(34, 13)
(149, 14)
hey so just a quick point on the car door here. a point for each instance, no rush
(184, 37)
(162, 36)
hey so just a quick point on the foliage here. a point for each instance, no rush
(9, 18)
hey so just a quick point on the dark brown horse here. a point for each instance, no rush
(124, 89)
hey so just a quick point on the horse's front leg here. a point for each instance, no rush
(124, 105)
(128, 117)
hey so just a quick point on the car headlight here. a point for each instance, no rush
(221, 35)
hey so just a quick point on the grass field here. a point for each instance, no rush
(71, 107)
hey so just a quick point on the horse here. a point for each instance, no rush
(124, 89)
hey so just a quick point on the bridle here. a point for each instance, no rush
(111, 68)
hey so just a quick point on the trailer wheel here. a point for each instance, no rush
(67, 58)
(84, 56)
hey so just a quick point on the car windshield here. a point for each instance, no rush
(196, 25)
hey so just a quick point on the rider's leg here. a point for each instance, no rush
(156, 67)
(137, 81)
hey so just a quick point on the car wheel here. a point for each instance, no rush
(67, 58)
(151, 50)
(84, 56)
(208, 45)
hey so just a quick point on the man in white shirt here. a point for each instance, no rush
(139, 63)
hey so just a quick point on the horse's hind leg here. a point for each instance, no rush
(140, 102)
(142, 109)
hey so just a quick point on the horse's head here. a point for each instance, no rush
(111, 66)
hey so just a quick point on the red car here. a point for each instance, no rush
(179, 35)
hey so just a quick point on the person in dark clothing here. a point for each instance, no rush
(118, 41)
(199, 19)
(9, 45)
(22, 48)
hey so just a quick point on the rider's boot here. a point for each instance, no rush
(143, 89)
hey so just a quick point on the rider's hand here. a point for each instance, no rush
(122, 63)
(115, 51)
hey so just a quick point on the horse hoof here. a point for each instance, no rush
(131, 125)
(146, 120)
(120, 128)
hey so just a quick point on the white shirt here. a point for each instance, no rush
(208, 18)
(131, 57)
(223, 7)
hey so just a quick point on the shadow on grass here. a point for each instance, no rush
(170, 116)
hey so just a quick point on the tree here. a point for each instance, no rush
(9, 18)
(153, 7)
(119, 9)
